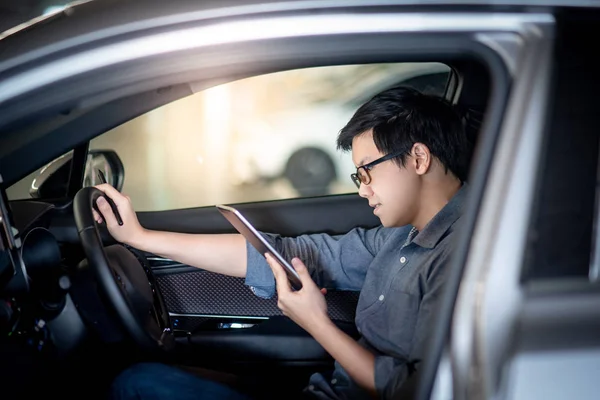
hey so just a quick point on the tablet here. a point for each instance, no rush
(244, 227)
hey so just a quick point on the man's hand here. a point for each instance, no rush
(131, 230)
(307, 306)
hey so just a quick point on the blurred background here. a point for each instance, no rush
(263, 138)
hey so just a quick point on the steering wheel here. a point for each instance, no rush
(127, 284)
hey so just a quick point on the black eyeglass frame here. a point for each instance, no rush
(357, 177)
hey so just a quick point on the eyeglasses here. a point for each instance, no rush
(362, 173)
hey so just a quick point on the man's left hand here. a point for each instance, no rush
(307, 306)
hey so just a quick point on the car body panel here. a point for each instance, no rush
(113, 61)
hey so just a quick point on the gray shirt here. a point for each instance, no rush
(399, 273)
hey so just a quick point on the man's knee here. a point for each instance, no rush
(142, 371)
(160, 381)
(131, 383)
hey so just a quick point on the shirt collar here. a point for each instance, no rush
(442, 221)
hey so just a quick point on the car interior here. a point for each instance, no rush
(58, 309)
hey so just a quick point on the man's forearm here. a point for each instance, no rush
(221, 253)
(355, 359)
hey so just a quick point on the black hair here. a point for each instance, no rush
(401, 117)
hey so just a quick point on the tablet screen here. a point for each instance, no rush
(244, 227)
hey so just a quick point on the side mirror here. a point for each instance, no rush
(53, 179)
(107, 161)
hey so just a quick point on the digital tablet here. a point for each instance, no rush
(257, 240)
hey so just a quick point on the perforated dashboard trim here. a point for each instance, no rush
(207, 293)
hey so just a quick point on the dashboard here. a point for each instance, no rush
(38, 315)
(48, 305)
(54, 320)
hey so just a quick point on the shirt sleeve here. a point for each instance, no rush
(334, 262)
(392, 373)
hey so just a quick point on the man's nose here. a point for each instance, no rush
(365, 191)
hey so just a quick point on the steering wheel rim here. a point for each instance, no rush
(150, 330)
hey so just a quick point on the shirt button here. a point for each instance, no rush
(311, 387)
(333, 381)
(381, 297)
(402, 260)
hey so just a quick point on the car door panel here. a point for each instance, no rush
(218, 316)
(290, 217)
(206, 293)
(278, 340)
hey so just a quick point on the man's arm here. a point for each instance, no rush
(379, 374)
(307, 307)
(221, 253)
(334, 261)
(358, 362)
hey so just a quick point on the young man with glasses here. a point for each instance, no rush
(411, 153)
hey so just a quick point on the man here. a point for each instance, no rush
(411, 153)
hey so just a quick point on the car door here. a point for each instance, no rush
(535, 330)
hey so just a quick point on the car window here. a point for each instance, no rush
(56, 173)
(262, 138)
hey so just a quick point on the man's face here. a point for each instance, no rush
(393, 190)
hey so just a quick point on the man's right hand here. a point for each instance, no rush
(131, 230)
(220, 253)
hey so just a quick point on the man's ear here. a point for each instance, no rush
(422, 158)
